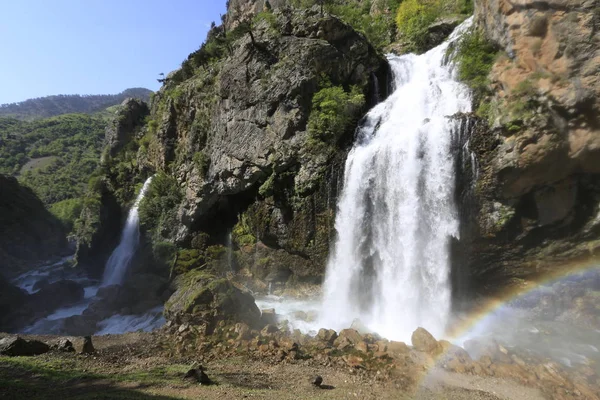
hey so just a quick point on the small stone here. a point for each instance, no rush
(243, 331)
(65, 345)
(354, 361)
(362, 347)
(317, 380)
(198, 375)
(269, 329)
(263, 348)
(88, 347)
(327, 335)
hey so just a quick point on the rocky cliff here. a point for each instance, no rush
(29, 234)
(537, 193)
(248, 141)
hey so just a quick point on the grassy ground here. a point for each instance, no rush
(134, 367)
(37, 163)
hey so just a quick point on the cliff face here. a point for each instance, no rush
(29, 234)
(538, 190)
(248, 141)
(237, 136)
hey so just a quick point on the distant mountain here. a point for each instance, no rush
(50, 106)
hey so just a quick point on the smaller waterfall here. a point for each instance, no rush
(229, 247)
(120, 258)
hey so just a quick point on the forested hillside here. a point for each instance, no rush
(55, 156)
(50, 106)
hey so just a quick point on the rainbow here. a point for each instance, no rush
(476, 320)
(493, 305)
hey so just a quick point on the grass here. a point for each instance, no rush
(37, 163)
(72, 377)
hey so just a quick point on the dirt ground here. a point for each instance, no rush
(134, 366)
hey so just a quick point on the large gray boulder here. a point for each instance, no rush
(16, 346)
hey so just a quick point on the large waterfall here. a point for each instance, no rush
(390, 266)
(120, 258)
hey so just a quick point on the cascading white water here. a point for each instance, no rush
(119, 260)
(390, 266)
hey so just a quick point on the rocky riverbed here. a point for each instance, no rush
(275, 364)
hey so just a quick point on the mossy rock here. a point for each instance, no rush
(202, 299)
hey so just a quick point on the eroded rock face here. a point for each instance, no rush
(538, 189)
(131, 113)
(236, 137)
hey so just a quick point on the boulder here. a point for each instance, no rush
(424, 341)
(268, 316)
(347, 338)
(327, 335)
(16, 346)
(243, 331)
(64, 345)
(204, 300)
(88, 346)
(396, 348)
(269, 330)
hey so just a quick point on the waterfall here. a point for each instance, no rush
(120, 258)
(229, 248)
(390, 265)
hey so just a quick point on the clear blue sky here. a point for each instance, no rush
(96, 46)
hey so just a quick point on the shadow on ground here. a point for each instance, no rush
(28, 378)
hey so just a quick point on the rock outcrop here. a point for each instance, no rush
(204, 301)
(29, 234)
(537, 192)
(16, 346)
(109, 197)
(233, 131)
(131, 113)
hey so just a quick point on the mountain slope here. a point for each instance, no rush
(50, 106)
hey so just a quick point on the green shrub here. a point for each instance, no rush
(67, 211)
(164, 252)
(333, 112)
(187, 260)
(158, 209)
(266, 189)
(242, 233)
(202, 162)
(475, 56)
(413, 18)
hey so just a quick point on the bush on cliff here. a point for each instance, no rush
(158, 209)
(415, 17)
(333, 112)
(67, 211)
